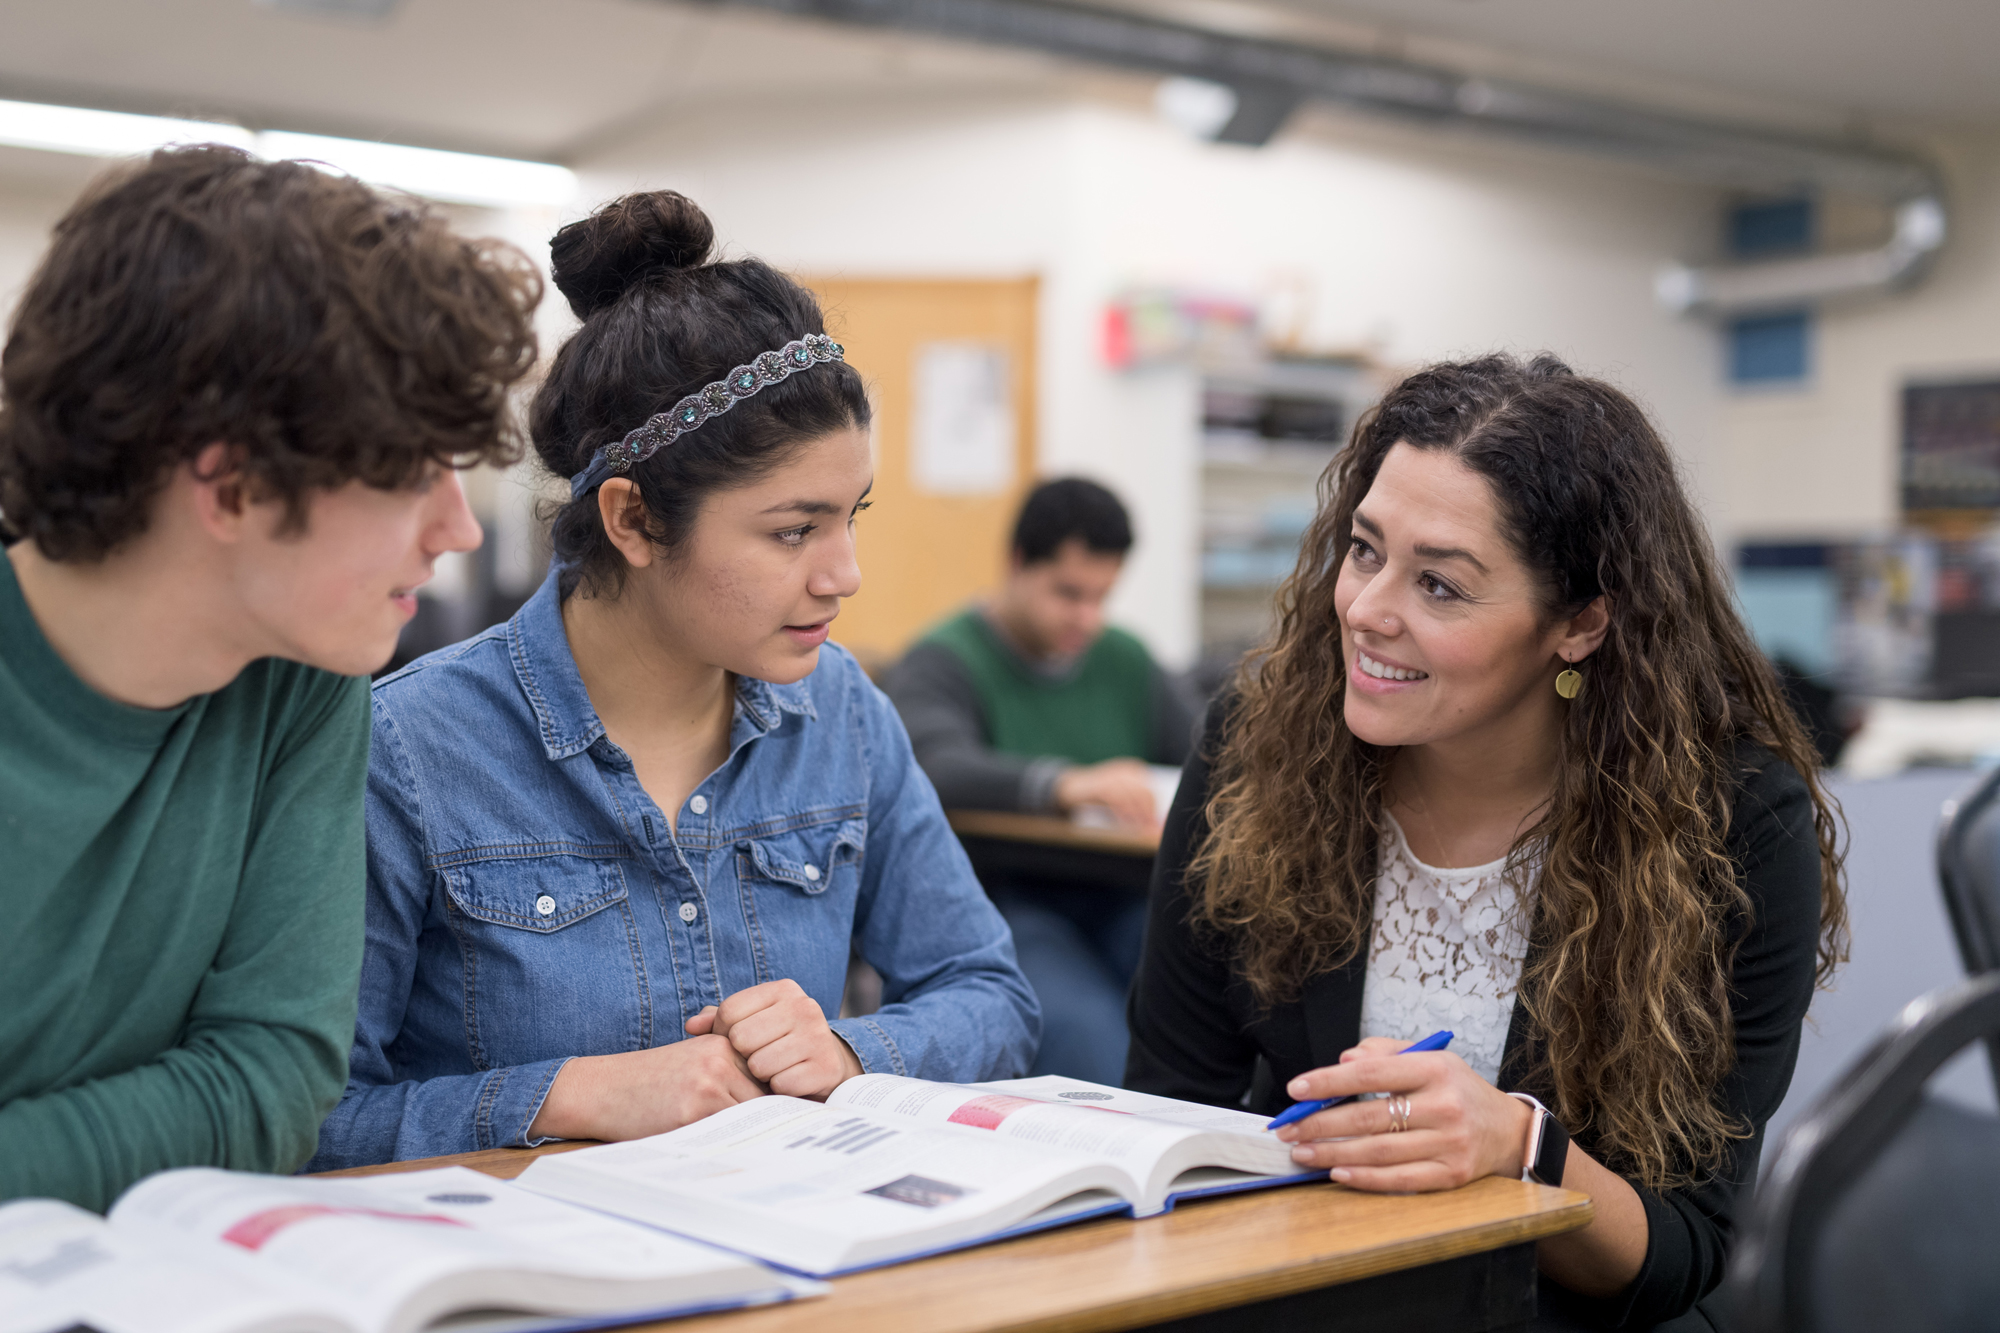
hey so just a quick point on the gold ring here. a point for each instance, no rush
(1399, 1114)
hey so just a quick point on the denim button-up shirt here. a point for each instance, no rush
(528, 902)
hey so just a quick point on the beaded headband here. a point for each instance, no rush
(704, 404)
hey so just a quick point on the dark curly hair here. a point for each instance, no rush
(1070, 509)
(326, 332)
(1637, 905)
(659, 322)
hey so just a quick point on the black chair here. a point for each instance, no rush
(1968, 861)
(1968, 857)
(1881, 1209)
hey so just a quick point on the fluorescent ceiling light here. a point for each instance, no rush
(466, 178)
(73, 129)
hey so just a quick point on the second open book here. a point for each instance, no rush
(892, 1168)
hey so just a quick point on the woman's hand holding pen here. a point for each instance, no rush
(783, 1036)
(1440, 1126)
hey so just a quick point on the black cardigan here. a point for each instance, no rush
(1198, 1034)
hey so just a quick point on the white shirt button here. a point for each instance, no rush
(545, 905)
(812, 872)
(699, 805)
(689, 912)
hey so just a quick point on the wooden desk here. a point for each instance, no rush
(1053, 831)
(1051, 849)
(1460, 1261)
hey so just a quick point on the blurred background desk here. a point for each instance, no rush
(1003, 845)
(1309, 1256)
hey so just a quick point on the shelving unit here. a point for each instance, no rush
(1268, 433)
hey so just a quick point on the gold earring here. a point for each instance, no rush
(1569, 681)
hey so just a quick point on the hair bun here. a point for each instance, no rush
(625, 242)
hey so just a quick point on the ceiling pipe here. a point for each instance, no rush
(1786, 284)
(1271, 79)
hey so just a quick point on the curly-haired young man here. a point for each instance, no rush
(231, 405)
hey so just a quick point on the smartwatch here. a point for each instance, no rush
(1548, 1145)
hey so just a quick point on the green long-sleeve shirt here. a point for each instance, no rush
(182, 890)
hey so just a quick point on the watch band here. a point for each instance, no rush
(1547, 1150)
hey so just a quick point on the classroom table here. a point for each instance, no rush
(1004, 845)
(1312, 1256)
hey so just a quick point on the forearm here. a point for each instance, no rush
(972, 777)
(395, 1122)
(955, 1005)
(979, 1026)
(633, 1094)
(241, 1096)
(946, 721)
(1464, 1129)
(1603, 1258)
(577, 1099)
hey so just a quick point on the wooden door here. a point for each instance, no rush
(924, 553)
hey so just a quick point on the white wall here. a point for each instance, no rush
(35, 189)
(1413, 244)
(1822, 459)
(1419, 247)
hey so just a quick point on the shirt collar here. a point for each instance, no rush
(50, 685)
(766, 704)
(568, 722)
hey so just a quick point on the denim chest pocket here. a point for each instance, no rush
(551, 958)
(808, 858)
(799, 889)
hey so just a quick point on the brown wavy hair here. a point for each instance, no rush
(1638, 907)
(327, 332)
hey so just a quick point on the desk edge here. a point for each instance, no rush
(1309, 1275)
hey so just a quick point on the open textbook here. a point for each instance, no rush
(208, 1251)
(892, 1168)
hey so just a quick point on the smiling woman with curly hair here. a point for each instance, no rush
(1511, 766)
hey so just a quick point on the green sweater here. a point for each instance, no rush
(1100, 709)
(994, 731)
(183, 892)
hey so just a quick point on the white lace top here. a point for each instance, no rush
(1446, 952)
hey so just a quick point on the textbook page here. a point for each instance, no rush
(1077, 1092)
(62, 1268)
(1154, 1139)
(823, 1189)
(391, 1253)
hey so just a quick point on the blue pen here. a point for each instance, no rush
(1298, 1111)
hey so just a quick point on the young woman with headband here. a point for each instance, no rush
(621, 847)
(1511, 767)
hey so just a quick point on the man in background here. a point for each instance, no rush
(231, 405)
(1030, 702)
